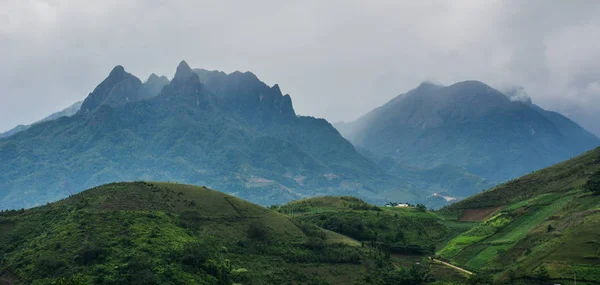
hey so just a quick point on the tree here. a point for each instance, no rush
(594, 183)
(542, 275)
(421, 208)
(257, 231)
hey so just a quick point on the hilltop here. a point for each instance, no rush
(407, 230)
(471, 126)
(547, 221)
(152, 233)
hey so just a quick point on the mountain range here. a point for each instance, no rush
(228, 131)
(433, 145)
(471, 126)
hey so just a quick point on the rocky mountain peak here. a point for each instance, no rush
(183, 72)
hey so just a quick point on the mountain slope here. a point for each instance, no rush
(547, 219)
(469, 125)
(67, 112)
(404, 230)
(236, 134)
(164, 233)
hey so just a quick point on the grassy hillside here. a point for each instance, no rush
(545, 221)
(408, 234)
(409, 230)
(161, 233)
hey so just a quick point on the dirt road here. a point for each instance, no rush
(452, 266)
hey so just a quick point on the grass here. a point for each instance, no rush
(365, 222)
(164, 233)
(399, 229)
(547, 218)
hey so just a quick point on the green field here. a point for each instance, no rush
(548, 219)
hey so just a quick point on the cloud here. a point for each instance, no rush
(338, 59)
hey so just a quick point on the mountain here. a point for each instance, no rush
(469, 125)
(121, 87)
(67, 112)
(166, 233)
(545, 226)
(151, 87)
(227, 131)
(588, 118)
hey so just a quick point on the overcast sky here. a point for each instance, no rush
(337, 59)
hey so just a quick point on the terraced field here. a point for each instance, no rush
(544, 220)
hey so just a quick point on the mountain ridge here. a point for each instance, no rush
(235, 133)
(471, 125)
(69, 111)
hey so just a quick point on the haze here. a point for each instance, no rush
(337, 59)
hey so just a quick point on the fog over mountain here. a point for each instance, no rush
(340, 58)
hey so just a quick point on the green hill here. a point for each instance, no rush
(405, 230)
(544, 221)
(409, 234)
(162, 233)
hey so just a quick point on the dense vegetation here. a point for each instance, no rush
(593, 184)
(159, 233)
(471, 126)
(409, 230)
(540, 227)
(163, 233)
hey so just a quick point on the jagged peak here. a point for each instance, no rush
(183, 72)
(277, 89)
(117, 71)
(155, 78)
(152, 76)
(247, 75)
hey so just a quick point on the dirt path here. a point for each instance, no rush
(452, 266)
(237, 211)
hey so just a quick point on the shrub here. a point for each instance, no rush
(542, 275)
(88, 255)
(594, 183)
(257, 231)
(49, 266)
(195, 254)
